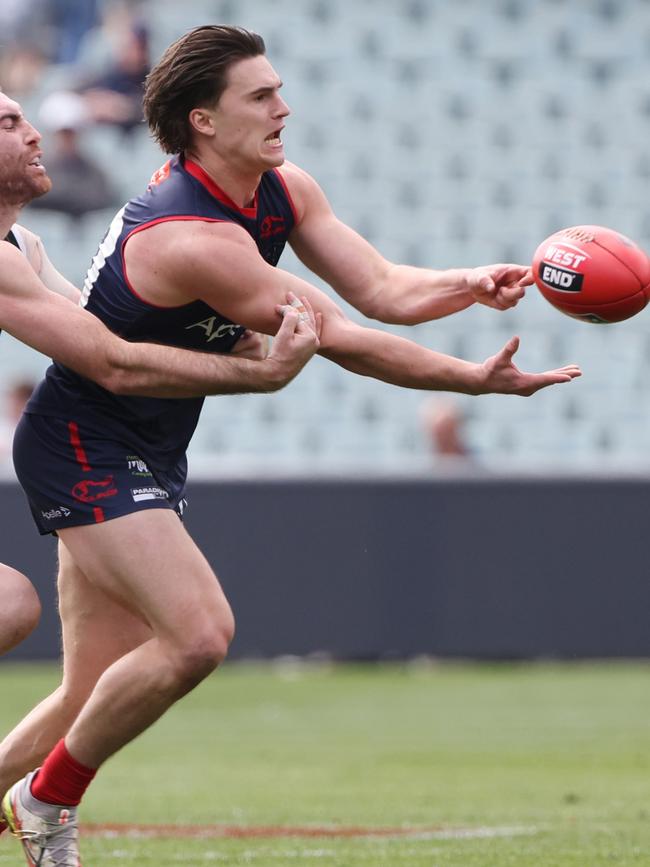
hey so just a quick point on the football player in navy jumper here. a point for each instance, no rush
(36, 308)
(192, 262)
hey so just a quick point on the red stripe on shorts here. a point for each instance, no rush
(99, 514)
(75, 441)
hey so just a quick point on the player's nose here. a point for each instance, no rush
(32, 135)
(282, 109)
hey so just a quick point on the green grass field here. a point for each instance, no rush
(522, 765)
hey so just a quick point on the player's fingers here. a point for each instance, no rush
(296, 302)
(510, 348)
(538, 381)
(512, 292)
(570, 370)
(289, 316)
(309, 311)
(527, 279)
(486, 284)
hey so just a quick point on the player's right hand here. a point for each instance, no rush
(295, 342)
(502, 376)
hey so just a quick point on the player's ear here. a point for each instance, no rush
(201, 121)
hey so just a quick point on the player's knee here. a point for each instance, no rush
(30, 612)
(21, 610)
(205, 649)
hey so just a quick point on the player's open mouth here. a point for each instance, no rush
(36, 163)
(274, 139)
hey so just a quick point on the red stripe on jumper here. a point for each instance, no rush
(79, 451)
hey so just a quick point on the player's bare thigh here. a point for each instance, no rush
(96, 629)
(20, 608)
(148, 563)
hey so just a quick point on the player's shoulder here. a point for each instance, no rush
(295, 176)
(29, 243)
(173, 243)
(14, 269)
(302, 186)
(9, 253)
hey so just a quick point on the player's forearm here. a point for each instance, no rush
(412, 295)
(384, 356)
(162, 371)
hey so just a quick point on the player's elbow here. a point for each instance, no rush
(115, 373)
(121, 382)
(383, 305)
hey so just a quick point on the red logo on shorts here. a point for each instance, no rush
(88, 490)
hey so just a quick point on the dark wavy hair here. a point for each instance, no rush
(192, 74)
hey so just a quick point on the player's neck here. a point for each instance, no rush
(237, 184)
(8, 216)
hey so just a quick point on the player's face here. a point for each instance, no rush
(22, 177)
(249, 117)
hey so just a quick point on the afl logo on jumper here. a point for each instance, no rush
(88, 490)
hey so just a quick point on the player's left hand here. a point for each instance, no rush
(500, 286)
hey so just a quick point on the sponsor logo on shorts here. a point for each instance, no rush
(150, 493)
(137, 467)
(56, 512)
(89, 490)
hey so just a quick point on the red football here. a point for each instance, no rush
(592, 273)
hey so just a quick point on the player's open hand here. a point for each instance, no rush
(499, 286)
(296, 341)
(503, 377)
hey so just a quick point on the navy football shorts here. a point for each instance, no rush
(72, 476)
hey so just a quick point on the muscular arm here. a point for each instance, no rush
(52, 325)
(174, 262)
(400, 294)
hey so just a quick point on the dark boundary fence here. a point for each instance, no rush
(486, 568)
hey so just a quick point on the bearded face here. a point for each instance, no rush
(22, 177)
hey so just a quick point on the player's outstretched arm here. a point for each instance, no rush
(382, 290)
(59, 329)
(241, 285)
(392, 359)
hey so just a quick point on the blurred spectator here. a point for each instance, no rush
(71, 19)
(115, 96)
(37, 33)
(79, 185)
(22, 23)
(442, 423)
(22, 65)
